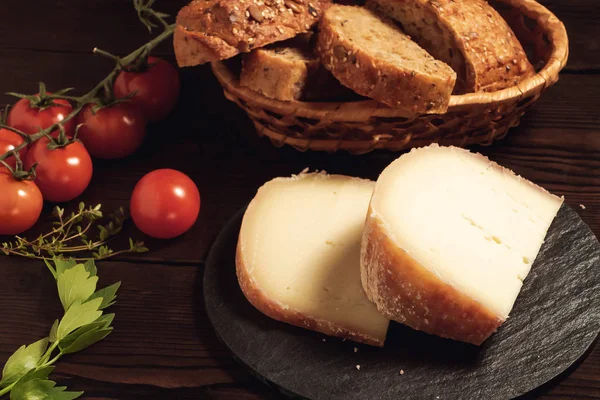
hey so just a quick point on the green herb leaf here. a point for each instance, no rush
(62, 265)
(59, 394)
(41, 389)
(90, 266)
(108, 295)
(32, 389)
(85, 340)
(79, 314)
(22, 361)
(51, 268)
(75, 284)
(101, 323)
(37, 373)
(58, 212)
(52, 336)
(103, 233)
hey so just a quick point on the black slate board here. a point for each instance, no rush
(554, 321)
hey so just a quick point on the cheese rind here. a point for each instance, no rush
(449, 239)
(298, 256)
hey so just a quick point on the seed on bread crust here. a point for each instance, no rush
(205, 28)
(374, 58)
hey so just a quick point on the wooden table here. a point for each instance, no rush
(163, 346)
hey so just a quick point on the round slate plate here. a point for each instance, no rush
(554, 321)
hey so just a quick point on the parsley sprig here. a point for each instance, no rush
(25, 374)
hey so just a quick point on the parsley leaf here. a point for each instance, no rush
(108, 294)
(79, 314)
(41, 389)
(25, 374)
(100, 324)
(75, 284)
(52, 336)
(85, 340)
(22, 361)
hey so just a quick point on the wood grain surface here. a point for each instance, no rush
(163, 346)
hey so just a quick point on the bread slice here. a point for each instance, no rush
(298, 255)
(212, 30)
(374, 58)
(449, 239)
(289, 71)
(469, 35)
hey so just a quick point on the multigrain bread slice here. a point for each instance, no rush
(212, 30)
(298, 255)
(374, 58)
(468, 35)
(449, 239)
(290, 71)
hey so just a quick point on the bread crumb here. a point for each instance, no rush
(582, 206)
(358, 367)
(401, 372)
(356, 349)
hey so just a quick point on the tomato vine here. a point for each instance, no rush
(102, 92)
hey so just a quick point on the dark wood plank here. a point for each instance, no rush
(113, 25)
(209, 138)
(163, 345)
(162, 338)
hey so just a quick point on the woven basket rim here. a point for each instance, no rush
(552, 26)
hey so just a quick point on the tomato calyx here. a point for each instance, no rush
(62, 140)
(44, 100)
(140, 64)
(107, 99)
(19, 173)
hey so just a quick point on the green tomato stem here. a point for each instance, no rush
(89, 97)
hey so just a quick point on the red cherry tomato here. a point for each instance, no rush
(20, 204)
(32, 120)
(63, 173)
(8, 142)
(165, 204)
(113, 132)
(157, 88)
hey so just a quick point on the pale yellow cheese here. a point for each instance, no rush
(477, 226)
(300, 246)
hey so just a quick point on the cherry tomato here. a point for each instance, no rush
(63, 173)
(8, 142)
(157, 88)
(165, 204)
(32, 120)
(20, 204)
(113, 132)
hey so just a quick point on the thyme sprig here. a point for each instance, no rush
(74, 234)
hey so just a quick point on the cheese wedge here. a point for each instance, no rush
(298, 255)
(449, 239)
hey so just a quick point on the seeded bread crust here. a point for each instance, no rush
(397, 83)
(213, 30)
(290, 71)
(469, 35)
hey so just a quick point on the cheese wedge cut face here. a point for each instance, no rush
(298, 255)
(466, 229)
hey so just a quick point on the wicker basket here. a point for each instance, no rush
(362, 126)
